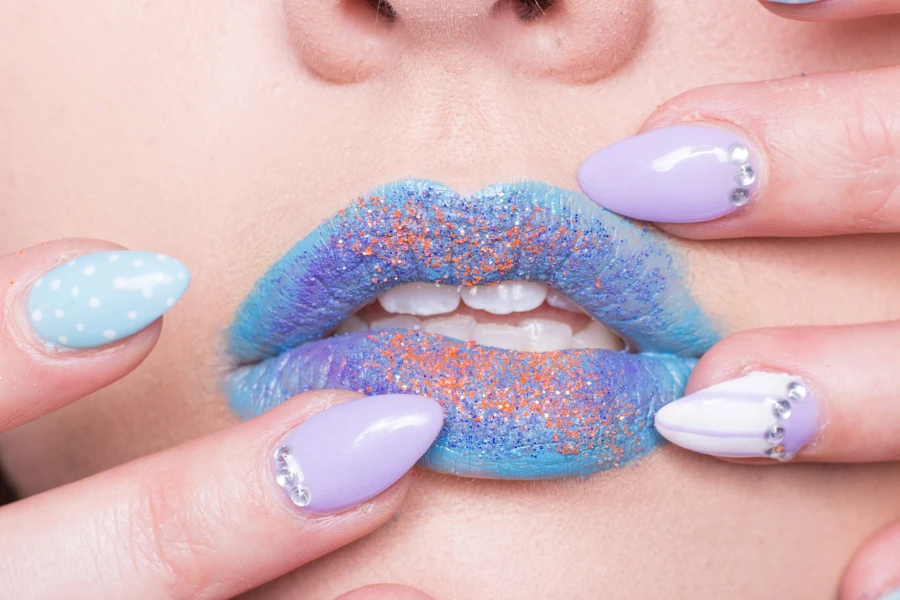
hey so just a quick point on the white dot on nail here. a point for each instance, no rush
(137, 262)
(113, 257)
(39, 282)
(89, 270)
(36, 315)
(147, 292)
(119, 283)
(161, 257)
(58, 313)
(109, 334)
(71, 263)
(74, 292)
(54, 285)
(94, 302)
(79, 327)
(170, 301)
(132, 314)
(63, 339)
(180, 274)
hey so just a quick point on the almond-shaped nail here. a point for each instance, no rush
(352, 452)
(679, 174)
(759, 415)
(96, 299)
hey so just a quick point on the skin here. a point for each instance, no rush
(211, 134)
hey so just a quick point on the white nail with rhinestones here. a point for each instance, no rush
(505, 297)
(421, 299)
(758, 415)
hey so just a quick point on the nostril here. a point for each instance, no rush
(384, 10)
(528, 10)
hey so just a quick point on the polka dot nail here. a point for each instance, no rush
(97, 299)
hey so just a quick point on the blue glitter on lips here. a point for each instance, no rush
(621, 273)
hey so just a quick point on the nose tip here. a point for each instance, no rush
(573, 41)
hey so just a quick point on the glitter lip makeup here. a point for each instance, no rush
(508, 413)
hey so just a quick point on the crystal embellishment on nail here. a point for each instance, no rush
(96, 299)
(290, 477)
(761, 414)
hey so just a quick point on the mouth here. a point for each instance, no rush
(550, 330)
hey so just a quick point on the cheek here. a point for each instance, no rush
(748, 284)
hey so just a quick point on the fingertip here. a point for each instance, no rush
(874, 570)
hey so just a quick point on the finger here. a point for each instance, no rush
(820, 393)
(225, 513)
(806, 156)
(384, 591)
(831, 10)
(874, 571)
(68, 317)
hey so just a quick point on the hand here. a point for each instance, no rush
(209, 519)
(806, 156)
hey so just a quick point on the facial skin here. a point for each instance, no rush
(222, 132)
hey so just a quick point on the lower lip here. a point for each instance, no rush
(509, 415)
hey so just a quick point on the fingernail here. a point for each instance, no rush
(760, 414)
(352, 452)
(99, 298)
(680, 174)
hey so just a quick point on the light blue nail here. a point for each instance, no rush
(99, 298)
(895, 595)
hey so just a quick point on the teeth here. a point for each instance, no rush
(459, 327)
(596, 336)
(508, 337)
(546, 335)
(351, 324)
(397, 322)
(557, 300)
(505, 297)
(420, 299)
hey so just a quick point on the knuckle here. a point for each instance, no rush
(871, 148)
(167, 547)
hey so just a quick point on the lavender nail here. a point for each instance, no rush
(760, 414)
(680, 174)
(352, 452)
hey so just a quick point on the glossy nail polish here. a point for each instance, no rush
(352, 452)
(761, 414)
(679, 174)
(99, 298)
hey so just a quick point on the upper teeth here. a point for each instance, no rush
(426, 299)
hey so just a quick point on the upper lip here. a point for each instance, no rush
(622, 274)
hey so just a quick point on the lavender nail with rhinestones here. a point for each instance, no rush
(352, 452)
(761, 414)
(680, 174)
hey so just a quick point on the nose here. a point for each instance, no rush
(577, 41)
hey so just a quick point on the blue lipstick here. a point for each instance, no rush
(509, 414)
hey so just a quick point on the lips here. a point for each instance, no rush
(509, 414)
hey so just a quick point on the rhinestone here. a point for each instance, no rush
(776, 452)
(781, 409)
(286, 478)
(775, 434)
(739, 196)
(282, 454)
(745, 175)
(301, 496)
(796, 391)
(738, 154)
